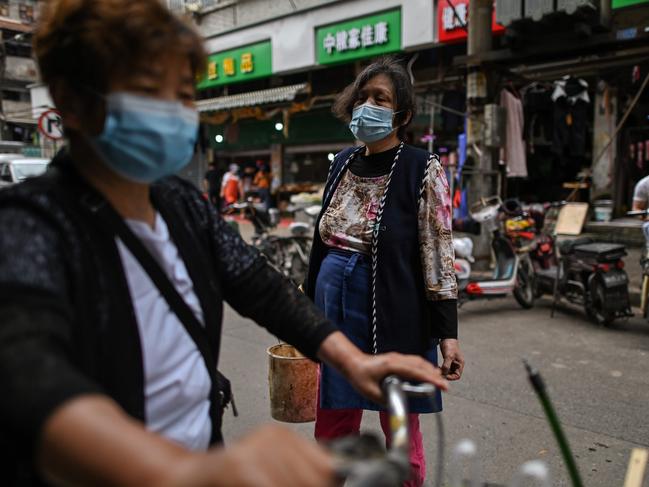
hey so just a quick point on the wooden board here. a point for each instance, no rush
(637, 464)
(571, 219)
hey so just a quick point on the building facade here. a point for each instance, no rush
(17, 126)
(275, 68)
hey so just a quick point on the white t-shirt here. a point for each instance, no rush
(641, 191)
(176, 382)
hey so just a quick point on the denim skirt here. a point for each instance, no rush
(343, 293)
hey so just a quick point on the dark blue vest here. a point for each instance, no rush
(402, 319)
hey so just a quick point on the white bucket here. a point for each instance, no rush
(603, 210)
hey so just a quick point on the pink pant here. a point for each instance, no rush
(336, 423)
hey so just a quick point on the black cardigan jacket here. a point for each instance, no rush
(67, 324)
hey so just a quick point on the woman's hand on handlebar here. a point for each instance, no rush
(272, 456)
(365, 372)
(369, 370)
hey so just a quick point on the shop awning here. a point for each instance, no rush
(252, 98)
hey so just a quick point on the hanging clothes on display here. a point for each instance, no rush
(571, 108)
(571, 103)
(538, 113)
(513, 153)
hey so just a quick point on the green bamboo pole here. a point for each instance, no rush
(539, 387)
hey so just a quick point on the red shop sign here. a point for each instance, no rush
(449, 25)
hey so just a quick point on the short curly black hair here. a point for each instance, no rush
(88, 43)
(404, 92)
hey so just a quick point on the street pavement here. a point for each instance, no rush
(598, 379)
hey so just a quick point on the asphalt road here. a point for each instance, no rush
(598, 378)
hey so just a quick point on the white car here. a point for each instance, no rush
(15, 168)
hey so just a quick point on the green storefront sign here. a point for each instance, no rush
(241, 64)
(362, 37)
(627, 3)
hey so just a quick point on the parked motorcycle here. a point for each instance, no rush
(590, 274)
(310, 213)
(513, 273)
(524, 227)
(289, 255)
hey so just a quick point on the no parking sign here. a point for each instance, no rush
(50, 124)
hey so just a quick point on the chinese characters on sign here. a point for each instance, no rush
(453, 20)
(212, 71)
(239, 64)
(246, 63)
(354, 38)
(229, 66)
(367, 36)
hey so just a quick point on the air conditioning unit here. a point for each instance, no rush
(193, 6)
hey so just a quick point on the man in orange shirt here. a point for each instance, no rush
(262, 183)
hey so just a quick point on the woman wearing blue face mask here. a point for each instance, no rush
(382, 265)
(114, 273)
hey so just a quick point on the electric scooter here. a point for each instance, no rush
(513, 273)
(463, 258)
(590, 274)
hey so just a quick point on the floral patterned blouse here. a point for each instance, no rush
(349, 220)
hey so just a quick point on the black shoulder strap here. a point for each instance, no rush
(220, 394)
(160, 279)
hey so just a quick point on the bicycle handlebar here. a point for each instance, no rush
(392, 468)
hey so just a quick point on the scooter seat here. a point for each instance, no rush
(601, 251)
(568, 246)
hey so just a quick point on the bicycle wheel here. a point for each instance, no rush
(595, 305)
(524, 289)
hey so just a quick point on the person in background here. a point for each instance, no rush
(641, 203)
(261, 183)
(103, 382)
(641, 195)
(249, 171)
(212, 184)
(231, 187)
(382, 263)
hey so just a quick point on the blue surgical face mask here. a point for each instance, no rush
(145, 139)
(371, 123)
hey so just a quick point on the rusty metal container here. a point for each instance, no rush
(293, 382)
